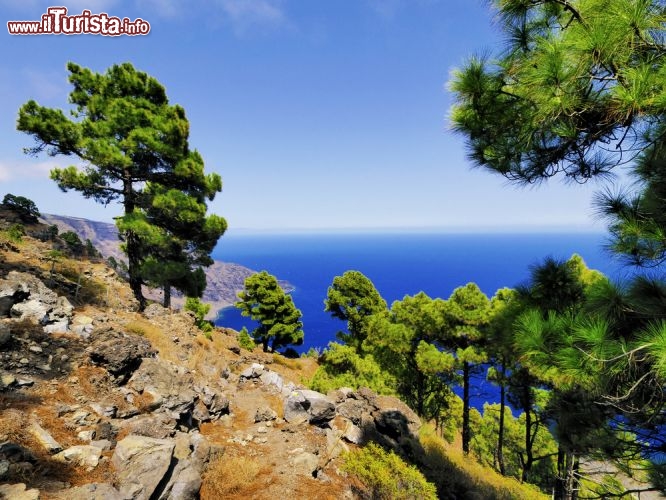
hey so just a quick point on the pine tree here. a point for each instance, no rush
(263, 300)
(467, 314)
(353, 298)
(134, 145)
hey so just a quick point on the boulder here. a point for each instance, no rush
(141, 464)
(11, 292)
(120, 354)
(254, 371)
(18, 492)
(155, 310)
(158, 426)
(93, 491)
(192, 453)
(33, 310)
(168, 385)
(44, 438)
(309, 405)
(83, 455)
(264, 414)
(24, 296)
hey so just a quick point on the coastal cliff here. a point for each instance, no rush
(223, 279)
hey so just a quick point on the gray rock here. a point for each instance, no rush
(18, 492)
(264, 414)
(170, 384)
(24, 382)
(60, 326)
(155, 425)
(120, 354)
(305, 463)
(269, 377)
(11, 292)
(44, 438)
(5, 334)
(192, 453)
(4, 469)
(104, 410)
(295, 410)
(93, 491)
(253, 371)
(83, 455)
(102, 444)
(155, 310)
(32, 310)
(216, 403)
(308, 405)
(141, 464)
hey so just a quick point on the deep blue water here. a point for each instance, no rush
(398, 264)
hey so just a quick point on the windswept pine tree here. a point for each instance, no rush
(352, 297)
(134, 148)
(264, 301)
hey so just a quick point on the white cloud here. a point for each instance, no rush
(14, 170)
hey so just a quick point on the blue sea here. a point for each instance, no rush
(399, 264)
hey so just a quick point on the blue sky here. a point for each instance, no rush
(318, 114)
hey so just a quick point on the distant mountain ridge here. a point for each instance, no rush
(224, 279)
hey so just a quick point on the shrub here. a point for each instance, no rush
(342, 366)
(73, 242)
(200, 310)
(16, 232)
(386, 475)
(245, 341)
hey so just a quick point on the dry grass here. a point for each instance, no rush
(453, 472)
(231, 477)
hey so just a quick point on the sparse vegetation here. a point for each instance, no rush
(385, 476)
(200, 309)
(245, 341)
(16, 232)
(230, 476)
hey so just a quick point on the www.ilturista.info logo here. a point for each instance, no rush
(57, 22)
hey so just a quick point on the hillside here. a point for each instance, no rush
(99, 401)
(224, 279)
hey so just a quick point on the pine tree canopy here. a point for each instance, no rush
(579, 89)
(132, 146)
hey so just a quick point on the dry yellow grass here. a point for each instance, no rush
(230, 477)
(454, 471)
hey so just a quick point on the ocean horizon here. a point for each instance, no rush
(399, 263)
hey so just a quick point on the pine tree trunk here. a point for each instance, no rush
(132, 244)
(560, 479)
(167, 296)
(527, 463)
(466, 432)
(500, 433)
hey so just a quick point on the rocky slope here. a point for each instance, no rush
(98, 401)
(224, 279)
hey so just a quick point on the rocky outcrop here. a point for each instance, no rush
(25, 297)
(141, 463)
(161, 468)
(223, 279)
(119, 353)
